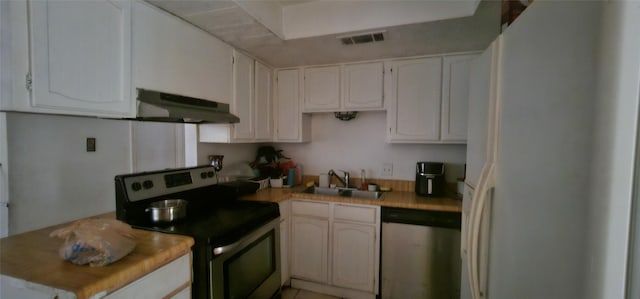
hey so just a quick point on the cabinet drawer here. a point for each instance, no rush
(355, 213)
(159, 283)
(317, 209)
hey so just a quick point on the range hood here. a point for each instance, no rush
(165, 107)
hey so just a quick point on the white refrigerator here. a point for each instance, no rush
(532, 99)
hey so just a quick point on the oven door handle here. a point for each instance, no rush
(228, 248)
(218, 251)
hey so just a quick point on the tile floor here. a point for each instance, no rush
(289, 293)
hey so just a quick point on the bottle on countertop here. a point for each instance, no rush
(363, 183)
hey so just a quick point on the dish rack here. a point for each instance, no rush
(264, 183)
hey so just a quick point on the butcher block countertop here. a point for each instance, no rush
(33, 257)
(397, 199)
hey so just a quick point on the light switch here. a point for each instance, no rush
(91, 144)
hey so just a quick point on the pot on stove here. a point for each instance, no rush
(168, 210)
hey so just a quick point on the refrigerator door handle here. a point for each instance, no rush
(471, 260)
(473, 242)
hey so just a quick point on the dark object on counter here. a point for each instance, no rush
(168, 210)
(268, 162)
(268, 154)
(241, 188)
(430, 179)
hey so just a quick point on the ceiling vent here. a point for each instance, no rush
(362, 38)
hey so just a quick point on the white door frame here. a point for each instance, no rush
(633, 257)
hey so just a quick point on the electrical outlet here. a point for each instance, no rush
(387, 169)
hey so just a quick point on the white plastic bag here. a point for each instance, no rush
(95, 241)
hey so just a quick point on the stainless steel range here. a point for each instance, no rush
(237, 243)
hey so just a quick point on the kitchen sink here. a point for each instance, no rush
(344, 192)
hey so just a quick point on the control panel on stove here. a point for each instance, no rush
(148, 185)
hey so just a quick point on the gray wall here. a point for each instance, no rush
(52, 179)
(361, 144)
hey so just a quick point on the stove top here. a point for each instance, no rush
(214, 214)
(219, 225)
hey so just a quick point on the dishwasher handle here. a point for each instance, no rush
(422, 217)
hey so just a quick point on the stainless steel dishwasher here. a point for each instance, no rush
(420, 255)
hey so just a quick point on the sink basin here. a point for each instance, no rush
(344, 192)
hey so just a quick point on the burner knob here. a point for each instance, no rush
(136, 186)
(203, 175)
(147, 184)
(210, 174)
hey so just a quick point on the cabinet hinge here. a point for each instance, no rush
(28, 81)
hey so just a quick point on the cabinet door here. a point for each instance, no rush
(413, 113)
(322, 88)
(287, 106)
(174, 56)
(263, 114)
(81, 57)
(243, 103)
(455, 97)
(363, 86)
(309, 247)
(284, 251)
(167, 280)
(354, 256)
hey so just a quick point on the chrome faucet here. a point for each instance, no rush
(345, 182)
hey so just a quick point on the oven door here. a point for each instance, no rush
(249, 268)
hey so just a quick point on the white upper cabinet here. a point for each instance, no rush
(348, 87)
(173, 56)
(81, 58)
(291, 125)
(263, 110)
(455, 97)
(243, 104)
(413, 113)
(322, 88)
(251, 103)
(362, 87)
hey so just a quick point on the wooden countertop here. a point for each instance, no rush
(33, 257)
(398, 199)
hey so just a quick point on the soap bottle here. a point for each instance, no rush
(363, 183)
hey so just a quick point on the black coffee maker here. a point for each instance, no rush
(430, 179)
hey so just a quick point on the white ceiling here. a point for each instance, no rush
(249, 25)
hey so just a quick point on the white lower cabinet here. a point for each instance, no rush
(172, 280)
(335, 248)
(285, 224)
(353, 255)
(309, 248)
(169, 281)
